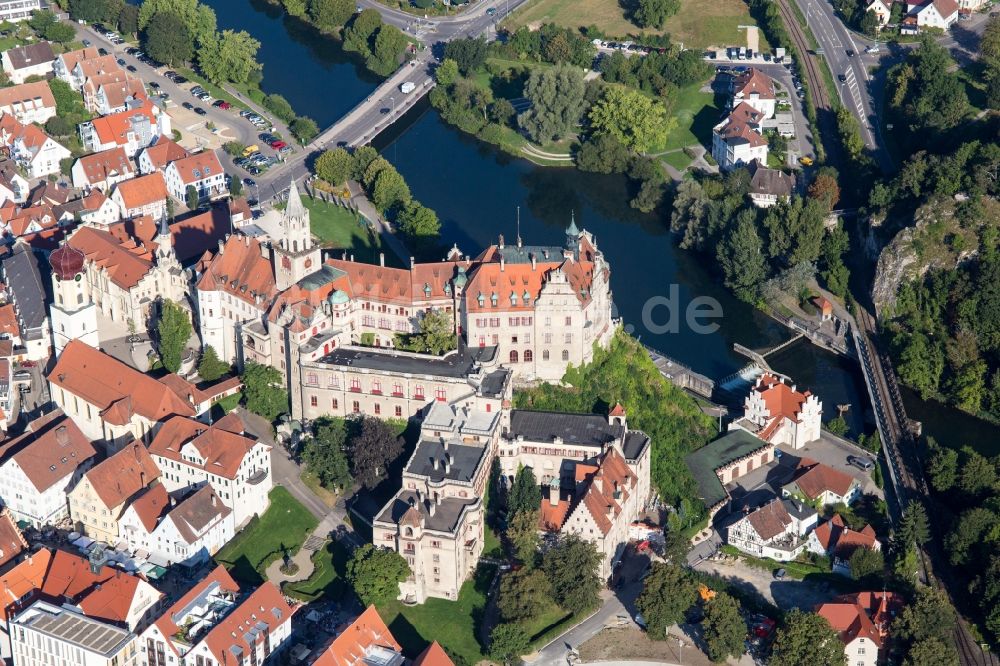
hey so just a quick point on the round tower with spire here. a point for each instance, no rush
(73, 313)
(295, 255)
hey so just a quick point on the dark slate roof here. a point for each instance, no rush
(703, 462)
(464, 461)
(772, 181)
(635, 442)
(31, 55)
(512, 254)
(24, 280)
(494, 382)
(457, 365)
(324, 275)
(583, 429)
(446, 514)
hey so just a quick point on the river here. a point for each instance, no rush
(477, 191)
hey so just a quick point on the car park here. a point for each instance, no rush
(86, 42)
(267, 137)
(170, 73)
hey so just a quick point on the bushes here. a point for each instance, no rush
(280, 107)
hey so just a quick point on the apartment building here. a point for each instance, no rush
(43, 634)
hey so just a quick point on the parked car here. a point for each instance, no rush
(267, 137)
(850, 53)
(200, 111)
(491, 11)
(164, 95)
(86, 42)
(179, 80)
(27, 364)
(121, 63)
(779, 574)
(154, 85)
(863, 464)
(278, 145)
(102, 51)
(22, 374)
(131, 68)
(222, 104)
(188, 105)
(249, 182)
(842, 78)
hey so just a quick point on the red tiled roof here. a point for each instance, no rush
(770, 520)
(8, 321)
(51, 448)
(98, 167)
(197, 167)
(163, 152)
(123, 475)
(165, 623)
(814, 478)
(864, 614)
(739, 126)
(143, 191)
(223, 446)
(125, 263)
(106, 382)
(151, 506)
(22, 580)
(116, 127)
(12, 542)
(607, 489)
(434, 655)
(107, 595)
(265, 605)
(753, 82)
(779, 398)
(241, 270)
(33, 95)
(350, 647)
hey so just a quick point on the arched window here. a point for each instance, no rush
(513, 356)
(528, 356)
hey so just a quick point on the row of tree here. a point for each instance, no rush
(386, 189)
(344, 452)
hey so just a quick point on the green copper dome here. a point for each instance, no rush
(461, 279)
(338, 297)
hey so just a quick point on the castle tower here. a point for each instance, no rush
(295, 255)
(73, 313)
(166, 258)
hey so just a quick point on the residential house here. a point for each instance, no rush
(13, 186)
(23, 280)
(12, 542)
(223, 455)
(723, 461)
(43, 629)
(28, 220)
(157, 156)
(65, 63)
(88, 66)
(862, 621)
(822, 485)
(436, 519)
(202, 171)
(28, 102)
(109, 400)
(113, 92)
(941, 14)
(186, 532)
(882, 10)
(30, 147)
(133, 129)
(739, 140)
(367, 640)
(103, 170)
(834, 539)
(19, 585)
(213, 625)
(778, 413)
(99, 500)
(40, 466)
(776, 530)
(18, 10)
(433, 655)
(99, 211)
(22, 62)
(770, 186)
(756, 89)
(145, 195)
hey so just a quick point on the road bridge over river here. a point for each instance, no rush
(388, 103)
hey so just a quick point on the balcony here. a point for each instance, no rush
(258, 476)
(397, 394)
(376, 391)
(355, 389)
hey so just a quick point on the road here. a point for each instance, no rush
(855, 92)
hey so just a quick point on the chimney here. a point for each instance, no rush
(534, 261)
(444, 442)
(381, 259)
(413, 262)
(62, 435)
(215, 500)
(447, 463)
(431, 509)
(554, 494)
(221, 246)
(142, 479)
(501, 262)
(173, 501)
(500, 243)
(434, 462)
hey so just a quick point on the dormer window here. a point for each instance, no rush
(493, 299)
(480, 299)
(427, 290)
(513, 299)
(197, 174)
(527, 297)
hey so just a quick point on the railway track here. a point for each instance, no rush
(816, 87)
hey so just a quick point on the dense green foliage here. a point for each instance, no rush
(172, 332)
(210, 366)
(325, 454)
(507, 643)
(631, 117)
(372, 445)
(550, 43)
(624, 373)
(725, 630)
(375, 574)
(524, 493)
(263, 390)
(523, 594)
(436, 335)
(667, 593)
(806, 638)
(571, 567)
(229, 56)
(556, 96)
(168, 40)
(657, 73)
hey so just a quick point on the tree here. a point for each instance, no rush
(95, 11)
(502, 111)
(262, 391)
(524, 495)
(371, 449)
(229, 56)
(989, 43)
(419, 222)
(931, 652)
(329, 14)
(807, 638)
(211, 367)
(667, 593)
(447, 72)
(556, 96)
(837, 425)
(469, 54)
(523, 595)
(870, 24)
(968, 540)
(436, 335)
(725, 630)
(279, 106)
(637, 121)
(128, 19)
(56, 126)
(334, 166)
(390, 44)
(654, 13)
(375, 574)
(522, 531)
(363, 157)
(304, 129)
(234, 148)
(198, 19)
(389, 190)
(324, 454)
(603, 153)
(978, 473)
(741, 258)
(825, 187)
(191, 197)
(914, 529)
(173, 331)
(62, 33)
(929, 615)
(942, 466)
(572, 566)
(357, 36)
(168, 40)
(507, 643)
(865, 562)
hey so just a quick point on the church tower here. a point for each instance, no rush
(295, 255)
(73, 313)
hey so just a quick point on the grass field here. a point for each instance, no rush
(697, 25)
(328, 496)
(327, 579)
(340, 228)
(451, 623)
(696, 114)
(284, 526)
(678, 160)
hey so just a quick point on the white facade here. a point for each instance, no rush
(206, 176)
(778, 413)
(939, 14)
(27, 502)
(44, 634)
(103, 216)
(18, 10)
(772, 531)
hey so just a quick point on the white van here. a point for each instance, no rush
(407, 87)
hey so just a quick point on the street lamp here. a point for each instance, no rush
(393, 100)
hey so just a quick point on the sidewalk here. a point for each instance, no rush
(303, 558)
(385, 232)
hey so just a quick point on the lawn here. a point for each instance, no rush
(341, 228)
(284, 526)
(328, 496)
(696, 115)
(230, 402)
(451, 623)
(697, 25)
(678, 160)
(327, 579)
